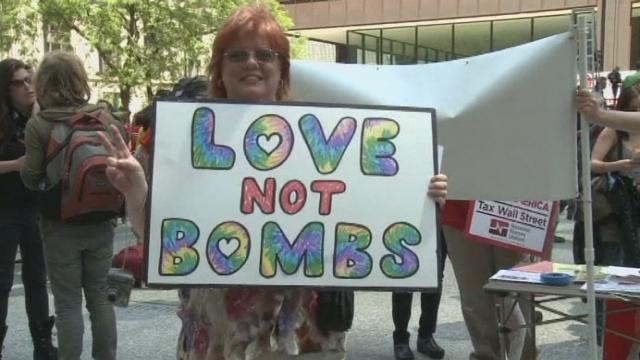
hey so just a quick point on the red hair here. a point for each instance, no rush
(255, 20)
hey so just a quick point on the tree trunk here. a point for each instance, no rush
(149, 93)
(125, 96)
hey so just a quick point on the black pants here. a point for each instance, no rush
(429, 303)
(18, 227)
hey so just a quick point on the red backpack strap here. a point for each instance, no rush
(94, 118)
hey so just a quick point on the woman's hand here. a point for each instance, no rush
(123, 170)
(438, 188)
(588, 104)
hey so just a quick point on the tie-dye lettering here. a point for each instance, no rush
(296, 188)
(228, 248)
(178, 257)
(276, 249)
(393, 239)
(327, 188)
(326, 154)
(268, 142)
(377, 149)
(205, 154)
(351, 259)
(264, 198)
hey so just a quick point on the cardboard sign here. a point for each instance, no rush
(292, 195)
(524, 226)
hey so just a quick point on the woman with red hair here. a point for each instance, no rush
(250, 62)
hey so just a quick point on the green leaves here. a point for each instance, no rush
(140, 42)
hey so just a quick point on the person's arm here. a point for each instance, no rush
(8, 166)
(607, 140)
(621, 120)
(33, 170)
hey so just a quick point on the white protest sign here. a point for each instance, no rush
(292, 195)
(525, 226)
(507, 119)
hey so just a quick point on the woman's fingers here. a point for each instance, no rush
(437, 189)
(106, 142)
(120, 144)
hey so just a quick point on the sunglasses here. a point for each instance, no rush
(262, 55)
(21, 82)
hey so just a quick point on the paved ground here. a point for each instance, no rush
(148, 328)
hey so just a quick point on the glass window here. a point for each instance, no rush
(422, 56)
(550, 25)
(371, 42)
(432, 55)
(472, 39)
(508, 33)
(386, 46)
(370, 57)
(387, 59)
(402, 39)
(354, 39)
(397, 47)
(437, 38)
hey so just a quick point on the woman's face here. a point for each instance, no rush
(21, 90)
(251, 69)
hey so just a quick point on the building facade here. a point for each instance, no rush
(421, 31)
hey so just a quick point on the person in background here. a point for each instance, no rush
(429, 305)
(18, 213)
(473, 264)
(615, 80)
(104, 104)
(78, 252)
(613, 152)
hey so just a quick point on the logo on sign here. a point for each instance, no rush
(498, 227)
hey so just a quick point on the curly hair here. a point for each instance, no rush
(8, 67)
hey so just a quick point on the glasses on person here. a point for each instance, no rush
(262, 55)
(21, 82)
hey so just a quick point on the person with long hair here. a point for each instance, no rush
(78, 252)
(249, 62)
(18, 214)
(613, 152)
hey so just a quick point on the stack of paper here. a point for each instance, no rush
(518, 276)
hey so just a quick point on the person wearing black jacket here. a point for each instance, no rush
(18, 225)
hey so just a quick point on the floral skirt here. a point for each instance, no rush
(245, 324)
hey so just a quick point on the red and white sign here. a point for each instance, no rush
(526, 226)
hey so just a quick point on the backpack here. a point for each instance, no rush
(75, 168)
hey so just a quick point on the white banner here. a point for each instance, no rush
(292, 195)
(507, 119)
